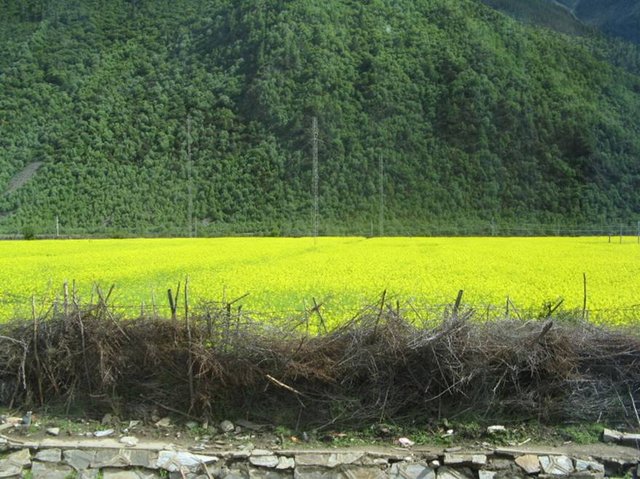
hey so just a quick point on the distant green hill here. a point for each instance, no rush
(545, 13)
(619, 18)
(616, 17)
(146, 113)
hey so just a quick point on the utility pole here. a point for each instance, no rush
(57, 226)
(189, 179)
(381, 193)
(314, 174)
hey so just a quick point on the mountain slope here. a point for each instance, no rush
(545, 13)
(130, 106)
(615, 17)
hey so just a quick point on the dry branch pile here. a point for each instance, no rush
(378, 367)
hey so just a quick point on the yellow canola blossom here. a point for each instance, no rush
(283, 275)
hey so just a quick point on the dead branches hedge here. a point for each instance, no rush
(380, 366)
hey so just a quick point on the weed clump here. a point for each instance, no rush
(379, 367)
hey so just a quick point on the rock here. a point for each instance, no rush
(78, 459)
(163, 423)
(496, 429)
(111, 458)
(315, 473)
(142, 458)
(411, 471)
(129, 441)
(405, 442)
(104, 433)
(19, 458)
(53, 431)
(109, 473)
(497, 464)
(264, 461)
(260, 452)
(174, 461)
(234, 474)
(486, 474)
(249, 425)
(191, 424)
(584, 465)
(529, 463)
(341, 458)
(106, 419)
(49, 455)
(609, 435)
(227, 426)
(40, 470)
(362, 472)
(466, 459)
(13, 464)
(88, 474)
(630, 438)
(285, 462)
(556, 465)
(448, 473)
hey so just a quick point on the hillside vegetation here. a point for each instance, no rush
(130, 106)
(615, 17)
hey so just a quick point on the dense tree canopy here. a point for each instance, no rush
(130, 106)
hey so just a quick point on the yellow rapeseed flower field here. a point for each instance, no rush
(282, 275)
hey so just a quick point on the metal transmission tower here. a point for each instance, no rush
(189, 179)
(314, 174)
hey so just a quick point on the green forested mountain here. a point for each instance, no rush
(128, 106)
(615, 17)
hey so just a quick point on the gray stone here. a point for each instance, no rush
(142, 458)
(584, 465)
(235, 474)
(610, 435)
(264, 461)
(411, 471)
(310, 459)
(227, 426)
(104, 433)
(465, 459)
(9, 470)
(363, 472)
(445, 472)
(41, 470)
(328, 460)
(49, 455)
(496, 429)
(316, 473)
(88, 474)
(164, 422)
(530, 463)
(129, 441)
(110, 458)
(285, 462)
(556, 465)
(78, 459)
(12, 465)
(500, 464)
(486, 474)
(19, 458)
(53, 431)
(266, 474)
(115, 473)
(259, 452)
(174, 461)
